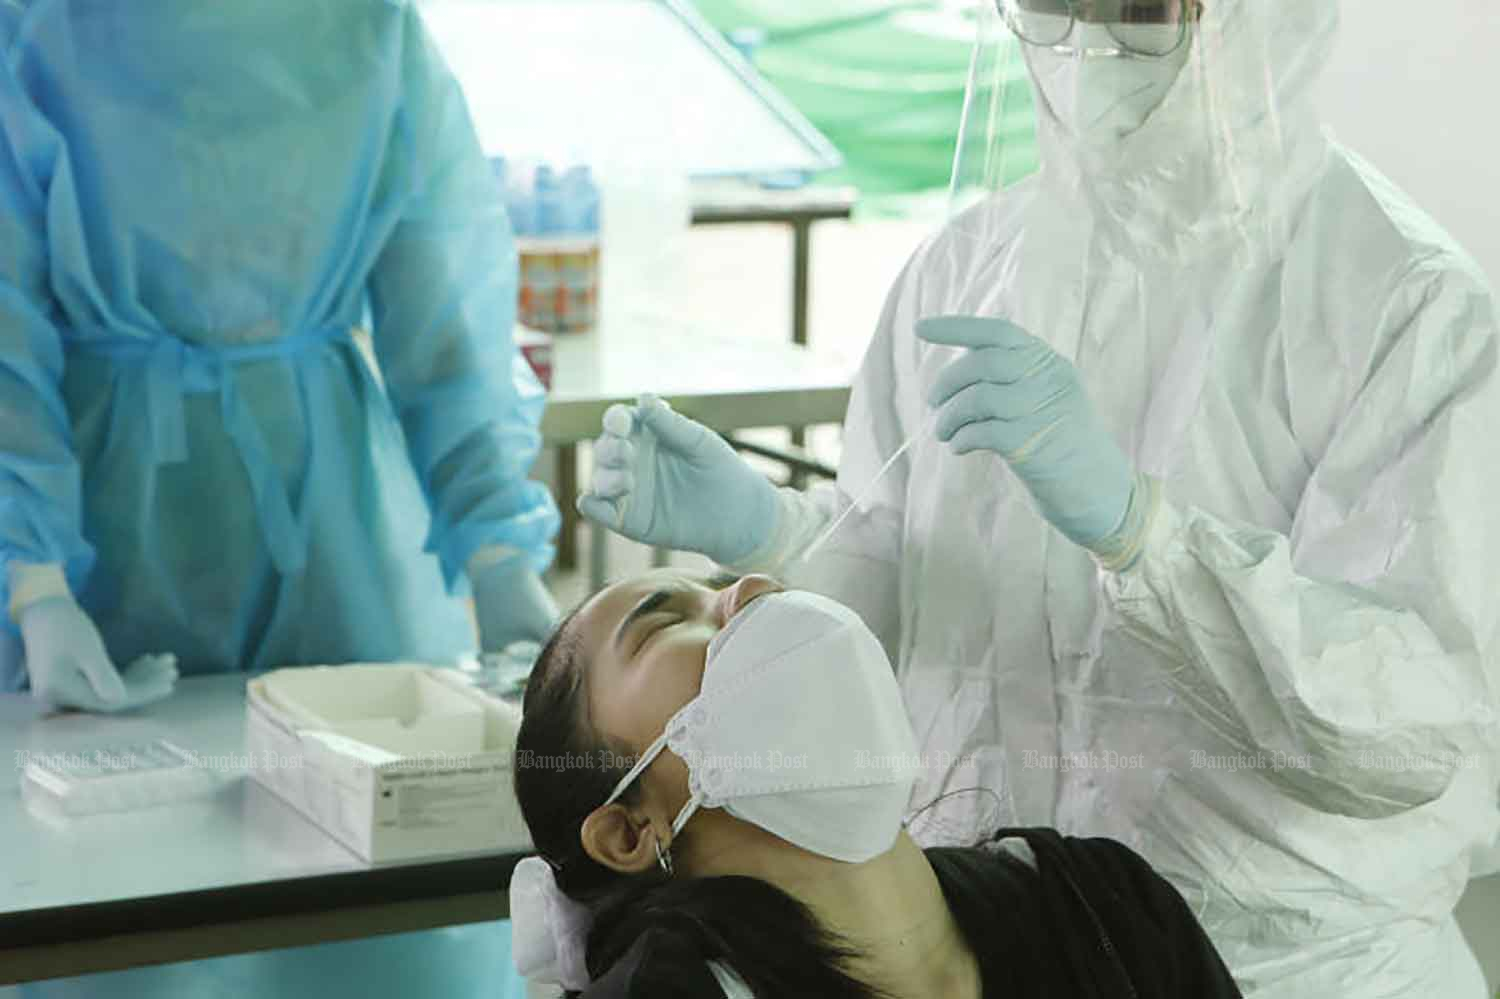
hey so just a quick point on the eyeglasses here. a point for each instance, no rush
(1149, 28)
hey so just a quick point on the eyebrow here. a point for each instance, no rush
(646, 606)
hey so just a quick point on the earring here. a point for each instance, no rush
(664, 860)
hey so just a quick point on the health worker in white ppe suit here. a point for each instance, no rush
(1199, 548)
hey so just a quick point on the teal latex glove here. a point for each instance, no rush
(664, 480)
(510, 601)
(1012, 394)
(69, 667)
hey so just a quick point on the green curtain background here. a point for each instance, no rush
(884, 81)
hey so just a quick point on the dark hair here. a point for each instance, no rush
(769, 938)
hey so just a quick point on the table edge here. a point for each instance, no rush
(224, 905)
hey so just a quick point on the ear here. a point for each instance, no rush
(618, 840)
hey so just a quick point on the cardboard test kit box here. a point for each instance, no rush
(394, 761)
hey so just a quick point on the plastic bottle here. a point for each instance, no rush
(581, 196)
(551, 206)
(556, 219)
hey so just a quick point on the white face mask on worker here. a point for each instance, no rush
(1095, 94)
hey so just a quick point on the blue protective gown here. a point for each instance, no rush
(200, 202)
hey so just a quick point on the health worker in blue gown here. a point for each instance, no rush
(201, 203)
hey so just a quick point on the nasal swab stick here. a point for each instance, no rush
(869, 490)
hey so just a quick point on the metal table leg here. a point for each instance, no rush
(801, 269)
(567, 488)
(598, 556)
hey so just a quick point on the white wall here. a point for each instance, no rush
(1415, 89)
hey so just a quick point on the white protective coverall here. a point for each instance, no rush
(1288, 704)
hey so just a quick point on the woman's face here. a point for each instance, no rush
(646, 642)
(645, 645)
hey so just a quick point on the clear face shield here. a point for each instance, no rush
(1172, 120)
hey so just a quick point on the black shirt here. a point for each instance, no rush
(1091, 920)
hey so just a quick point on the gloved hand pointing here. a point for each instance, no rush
(1012, 394)
(665, 480)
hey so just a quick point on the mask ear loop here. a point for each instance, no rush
(663, 857)
(646, 759)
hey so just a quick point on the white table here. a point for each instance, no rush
(237, 872)
(241, 872)
(725, 384)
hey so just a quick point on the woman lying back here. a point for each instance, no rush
(716, 777)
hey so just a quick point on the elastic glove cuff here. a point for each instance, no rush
(32, 583)
(1122, 549)
(798, 519)
(769, 554)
